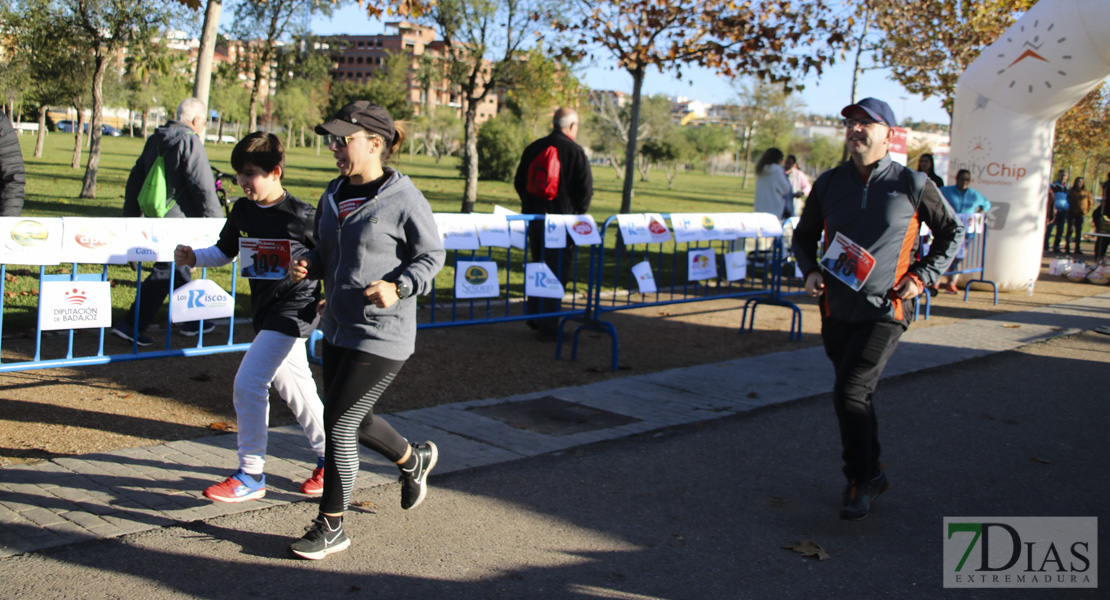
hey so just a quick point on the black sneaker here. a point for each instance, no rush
(320, 541)
(858, 498)
(192, 328)
(125, 333)
(414, 483)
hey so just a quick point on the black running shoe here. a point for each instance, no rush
(414, 483)
(320, 541)
(124, 333)
(858, 497)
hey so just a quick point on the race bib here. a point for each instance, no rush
(264, 259)
(848, 262)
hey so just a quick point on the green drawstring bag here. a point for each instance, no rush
(154, 197)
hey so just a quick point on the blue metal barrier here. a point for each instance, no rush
(614, 287)
(974, 259)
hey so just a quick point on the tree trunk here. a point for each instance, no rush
(747, 157)
(470, 155)
(630, 149)
(207, 51)
(256, 97)
(88, 188)
(146, 121)
(40, 139)
(289, 133)
(77, 140)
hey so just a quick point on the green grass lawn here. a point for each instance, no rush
(53, 188)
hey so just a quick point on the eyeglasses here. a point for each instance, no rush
(850, 123)
(341, 141)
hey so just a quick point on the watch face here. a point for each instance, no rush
(1036, 57)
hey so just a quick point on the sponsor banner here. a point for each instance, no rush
(457, 231)
(702, 264)
(657, 226)
(518, 230)
(30, 241)
(729, 225)
(476, 279)
(1020, 552)
(554, 231)
(645, 279)
(200, 299)
(746, 224)
(75, 305)
(736, 265)
(694, 228)
(540, 281)
(493, 230)
(768, 225)
(264, 258)
(634, 229)
(583, 230)
(97, 241)
(153, 240)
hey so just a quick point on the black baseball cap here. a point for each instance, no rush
(361, 115)
(879, 110)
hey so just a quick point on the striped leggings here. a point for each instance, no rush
(354, 381)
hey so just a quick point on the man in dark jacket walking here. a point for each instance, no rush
(192, 188)
(11, 170)
(869, 209)
(575, 190)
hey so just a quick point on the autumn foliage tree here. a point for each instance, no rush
(1081, 143)
(730, 37)
(928, 45)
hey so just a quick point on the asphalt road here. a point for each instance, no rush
(689, 513)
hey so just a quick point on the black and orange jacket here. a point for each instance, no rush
(882, 215)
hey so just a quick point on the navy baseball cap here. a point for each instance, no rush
(879, 110)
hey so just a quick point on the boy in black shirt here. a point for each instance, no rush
(265, 230)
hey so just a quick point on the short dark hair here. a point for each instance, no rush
(961, 172)
(261, 149)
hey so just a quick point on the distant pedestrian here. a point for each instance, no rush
(12, 176)
(926, 165)
(1058, 190)
(868, 210)
(964, 200)
(284, 315)
(192, 188)
(377, 249)
(799, 183)
(553, 178)
(1079, 204)
(773, 193)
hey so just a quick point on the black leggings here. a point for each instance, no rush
(353, 382)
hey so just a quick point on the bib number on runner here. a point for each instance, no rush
(264, 259)
(848, 262)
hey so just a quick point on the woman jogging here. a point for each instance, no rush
(378, 248)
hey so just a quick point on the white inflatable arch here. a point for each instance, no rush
(1003, 126)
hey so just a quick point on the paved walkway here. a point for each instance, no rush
(67, 500)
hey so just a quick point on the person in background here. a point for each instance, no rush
(799, 182)
(12, 176)
(964, 200)
(1059, 193)
(773, 193)
(1079, 204)
(284, 316)
(926, 165)
(377, 249)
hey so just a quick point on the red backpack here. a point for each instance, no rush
(543, 175)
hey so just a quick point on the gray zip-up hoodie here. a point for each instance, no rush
(188, 174)
(392, 236)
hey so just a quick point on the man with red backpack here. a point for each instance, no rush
(553, 178)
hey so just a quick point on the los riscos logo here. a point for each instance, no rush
(1021, 552)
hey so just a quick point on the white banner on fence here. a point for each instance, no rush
(554, 231)
(457, 231)
(692, 228)
(769, 225)
(634, 229)
(75, 305)
(200, 299)
(30, 241)
(153, 240)
(702, 264)
(540, 281)
(583, 230)
(736, 265)
(644, 277)
(657, 225)
(493, 230)
(476, 279)
(98, 241)
(518, 230)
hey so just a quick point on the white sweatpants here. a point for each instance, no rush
(279, 360)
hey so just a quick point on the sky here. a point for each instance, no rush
(824, 95)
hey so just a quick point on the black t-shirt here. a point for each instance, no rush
(350, 196)
(276, 304)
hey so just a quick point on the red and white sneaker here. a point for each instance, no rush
(240, 487)
(314, 486)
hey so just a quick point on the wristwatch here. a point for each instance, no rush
(404, 290)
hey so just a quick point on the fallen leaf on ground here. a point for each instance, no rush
(1041, 460)
(809, 548)
(221, 426)
(1011, 325)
